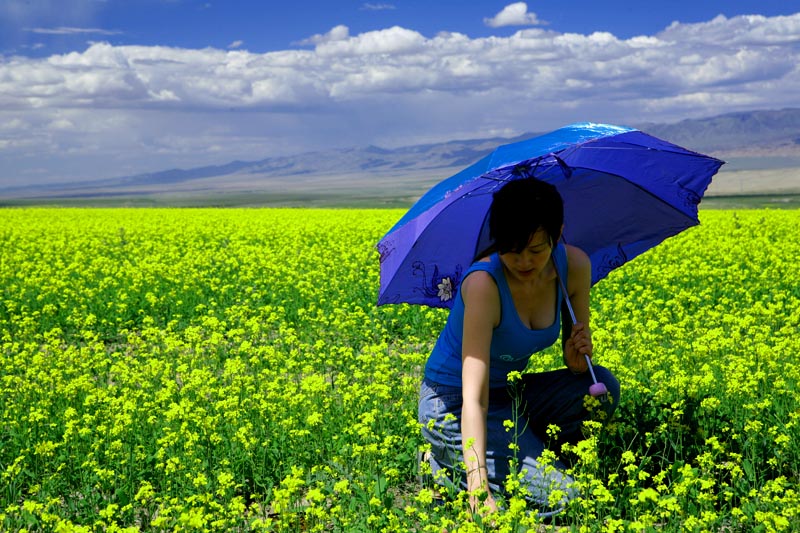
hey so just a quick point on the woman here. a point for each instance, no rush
(509, 307)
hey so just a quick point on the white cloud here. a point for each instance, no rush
(235, 44)
(369, 6)
(127, 109)
(338, 33)
(513, 15)
(744, 30)
(61, 124)
(66, 30)
(395, 41)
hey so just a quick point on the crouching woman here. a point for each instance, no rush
(508, 308)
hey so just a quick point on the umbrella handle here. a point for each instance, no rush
(591, 367)
(598, 389)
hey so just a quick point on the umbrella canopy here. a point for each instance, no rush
(624, 192)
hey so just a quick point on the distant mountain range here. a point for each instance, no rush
(748, 140)
(753, 132)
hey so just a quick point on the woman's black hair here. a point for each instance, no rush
(519, 209)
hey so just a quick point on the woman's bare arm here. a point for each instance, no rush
(481, 315)
(579, 280)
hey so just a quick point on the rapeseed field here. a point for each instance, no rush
(228, 370)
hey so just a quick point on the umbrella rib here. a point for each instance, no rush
(484, 189)
(631, 146)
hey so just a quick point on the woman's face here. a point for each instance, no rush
(532, 260)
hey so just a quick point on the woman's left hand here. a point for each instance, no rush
(578, 344)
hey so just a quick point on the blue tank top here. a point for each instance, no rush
(513, 342)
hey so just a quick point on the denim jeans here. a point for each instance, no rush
(532, 403)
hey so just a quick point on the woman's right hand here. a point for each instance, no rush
(578, 344)
(484, 508)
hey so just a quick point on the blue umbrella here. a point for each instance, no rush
(624, 192)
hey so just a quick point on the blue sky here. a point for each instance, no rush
(267, 25)
(91, 89)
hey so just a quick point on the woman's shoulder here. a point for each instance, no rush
(479, 291)
(579, 265)
(577, 257)
(486, 264)
(480, 278)
(479, 284)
